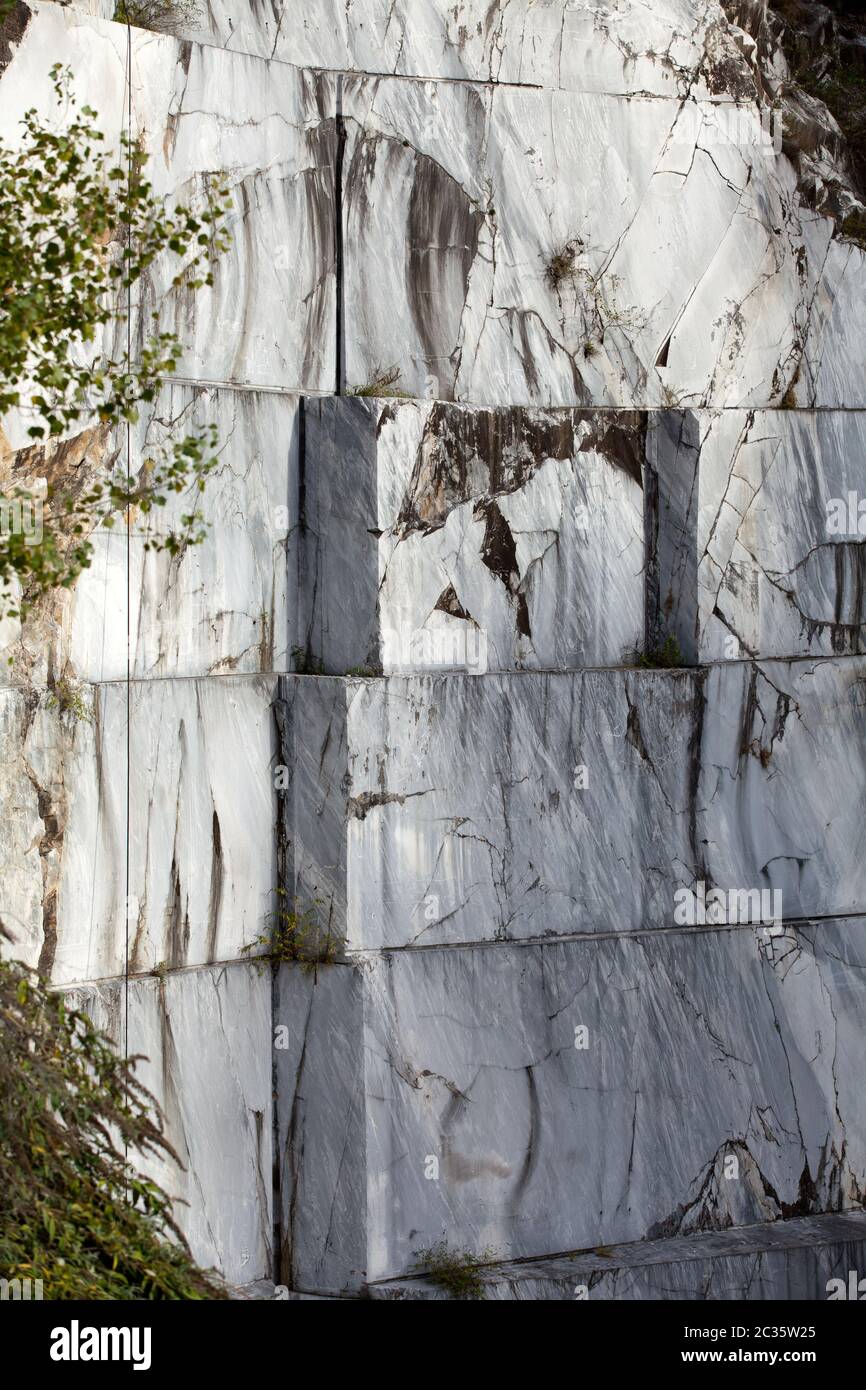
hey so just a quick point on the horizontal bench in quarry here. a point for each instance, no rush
(526, 1099)
(757, 531)
(804, 1259)
(392, 535)
(436, 536)
(693, 273)
(425, 809)
(205, 1040)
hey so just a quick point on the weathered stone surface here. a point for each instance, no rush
(443, 537)
(802, 1259)
(389, 220)
(227, 605)
(457, 808)
(717, 1083)
(202, 847)
(206, 1035)
(623, 47)
(757, 547)
(611, 285)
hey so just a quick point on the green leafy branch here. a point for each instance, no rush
(78, 229)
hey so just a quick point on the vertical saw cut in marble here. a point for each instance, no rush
(560, 1096)
(439, 537)
(225, 605)
(205, 1037)
(761, 532)
(320, 1122)
(202, 848)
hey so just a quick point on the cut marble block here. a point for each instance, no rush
(525, 1099)
(202, 848)
(428, 810)
(438, 536)
(691, 274)
(781, 790)
(206, 1037)
(758, 544)
(225, 605)
(802, 1259)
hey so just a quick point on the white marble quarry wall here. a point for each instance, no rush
(565, 227)
(439, 537)
(202, 847)
(677, 48)
(398, 221)
(226, 606)
(562, 1095)
(760, 538)
(449, 809)
(446, 537)
(206, 1038)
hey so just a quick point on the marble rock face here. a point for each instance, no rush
(202, 848)
(546, 1096)
(498, 242)
(447, 537)
(226, 606)
(456, 808)
(760, 536)
(205, 1036)
(623, 343)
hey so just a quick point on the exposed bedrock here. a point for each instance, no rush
(627, 243)
(566, 1095)
(400, 536)
(801, 1259)
(205, 1036)
(425, 810)
(457, 808)
(523, 660)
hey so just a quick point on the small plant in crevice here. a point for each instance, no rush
(366, 672)
(384, 382)
(162, 16)
(67, 698)
(305, 663)
(456, 1271)
(295, 936)
(560, 264)
(665, 656)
